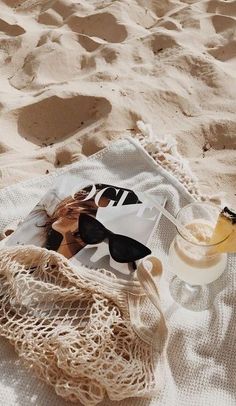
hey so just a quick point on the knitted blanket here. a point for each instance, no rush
(198, 364)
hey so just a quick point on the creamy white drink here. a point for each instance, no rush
(193, 259)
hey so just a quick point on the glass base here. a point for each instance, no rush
(197, 297)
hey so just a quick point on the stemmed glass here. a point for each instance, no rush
(194, 261)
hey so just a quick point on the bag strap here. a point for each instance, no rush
(149, 272)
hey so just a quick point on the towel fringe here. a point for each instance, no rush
(163, 149)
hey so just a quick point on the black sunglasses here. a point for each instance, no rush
(122, 249)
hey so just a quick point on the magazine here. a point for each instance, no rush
(97, 225)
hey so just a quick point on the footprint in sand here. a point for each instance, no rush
(56, 58)
(12, 30)
(223, 23)
(161, 42)
(202, 69)
(221, 134)
(57, 13)
(101, 28)
(225, 27)
(11, 3)
(221, 7)
(169, 25)
(64, 8)
(51, 18)
(159, 8)
(186, 19)
(88, 43)
(224, 53)
(54, 119)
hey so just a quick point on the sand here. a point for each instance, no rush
(76, 74)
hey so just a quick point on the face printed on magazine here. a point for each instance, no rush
(98, 225)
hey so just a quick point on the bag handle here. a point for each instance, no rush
(149, 271)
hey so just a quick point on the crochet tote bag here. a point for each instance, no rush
(84, 332)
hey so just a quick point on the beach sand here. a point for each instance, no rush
(75, 75)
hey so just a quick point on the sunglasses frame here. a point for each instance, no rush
(110, 236)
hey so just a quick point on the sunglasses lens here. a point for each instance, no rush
(124, 249)
(91, 231)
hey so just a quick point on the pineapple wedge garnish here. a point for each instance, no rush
(225, 231)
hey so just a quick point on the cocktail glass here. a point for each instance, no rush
(195, 262)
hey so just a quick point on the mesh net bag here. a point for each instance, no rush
(77, 330)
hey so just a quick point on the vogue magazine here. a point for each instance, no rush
(97, 225)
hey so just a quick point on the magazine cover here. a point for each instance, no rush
(97, 225)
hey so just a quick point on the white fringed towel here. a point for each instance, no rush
(198, 367)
